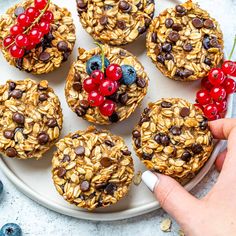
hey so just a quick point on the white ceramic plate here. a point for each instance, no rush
(34, 177)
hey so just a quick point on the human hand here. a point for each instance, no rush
(215, 214)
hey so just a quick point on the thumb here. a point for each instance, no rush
(172, 197)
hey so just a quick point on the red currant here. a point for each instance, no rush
(30, 46)
(95, 99)
(216, 76)
(203, 97)
(107, 87)
(229, 85)
(22, 40)
(234, 73)
(221, 106)
(23, 20)
(205, 83)
(97, 76)
(35, 35)
(32, 13)
(40, 4)
(7, 41)
(210, 111)
(218, 93)
(114, 72)
(107, 108)
(44, 26)
(229, 67)
(17, 52)
(48, 16)
(199, 106)
(16, 29)
(89, 85)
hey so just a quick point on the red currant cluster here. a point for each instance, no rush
(30, 28)
(98, 88)
(212, 98)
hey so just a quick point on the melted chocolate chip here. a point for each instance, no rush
(43, 97)
(80, 111)
(173, 36)
(11, 152)
(121, 24)
(175, 130)
(80, 150)
(84, 186)
(207, 61)
(186, 156)
(166, 104)
(9, 134)
(81, 4)
(77, 86)
(16, 93)
(103, 20)
(66, 158)
(124, 98)
(166, 47)
(62, 46)
(137, 142)
(109, 143)
(110, 188)
(114, 117)
(18, 118)
(147, 156)
(12, 86)
(43, 138)
(196, 148)
(161, 59)
(181, 11)
(177, 27)
(141, 82)
(106, 162)
(154, 37)
(165, 140)
(208, 24)
(115, 97)
(126, 152)
(188, 47)
(141, 30)
(52, 123)
(169, 56)
(197, 22)
(125, 6)
(136, 134)
(169, 22)
(214, 43)
(61, 172)
(44, 56)
(185, 112)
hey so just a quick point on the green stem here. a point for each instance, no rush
(232, 51)
(103, 56)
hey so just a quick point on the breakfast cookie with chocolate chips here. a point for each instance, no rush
(30, 118)
(92, 168)
(173, 138)
(185, 42)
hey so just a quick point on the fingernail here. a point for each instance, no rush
(150, 179)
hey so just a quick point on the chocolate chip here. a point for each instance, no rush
(166, 47)
(206, 42)
(136, 134)
(154, 37)
(84, 186)
(84, 104)
(16, 93)
(52, 123)
(146, 111)
(147, 22)
(43, 138)
(214, 43)
(80, 150)
(197, 22)
(147, 156)
(173, 36)
(9, 134)
(184, 112)
(186, 73)
(18, 118)
(77, 77)
(181, 11)
(61, 172)
(100, 186)
(75, 136)
(115, 97)
(114, 117)
(175, 130)
(121, 24)
(109, 143)
(122, 53)
(137, 142)
(11, 152)
(123, 98)
(125, 6)
(62, 46)
(44, 56)
(66, 158)
(106, 162)
(80, 111)
(177, 27)
(141, 82)
(208, 24)
(207, 61)
(107, 7)
(19, 62)
(157, 50)
(143, 119)
(103, 20)
(157, 138)
(166, 104)
(49, 37)
(169, 22)
(164, 140)
(169, 56)
(43, 97)
(42, 86)
(77, 86)
(19, 10)
(186, 156)
(12, 86)
(81, 4)
(126, 152)
(110, 188)
(203, 125)
(141, 30)
(188, 47)
(66, 55)
(196, 148)
(161, 59)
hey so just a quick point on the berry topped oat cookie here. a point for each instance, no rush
(36, 36)
(173, 138)
(105, 85)
(185, 42)
(116, 22)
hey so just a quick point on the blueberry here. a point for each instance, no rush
(10, 229)
(95, 63)
(129, 74)
(1, 187)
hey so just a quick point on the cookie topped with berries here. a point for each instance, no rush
(116, 22)
(185, 42)
(37, 36)
(105, 85)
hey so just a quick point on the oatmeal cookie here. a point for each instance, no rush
(185, 42)
(30, 118)
(173, 138)
(92, 168)
(116, 22)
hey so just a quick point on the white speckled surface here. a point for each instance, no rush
(36, 220)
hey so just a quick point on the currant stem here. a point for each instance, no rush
(232, 51)
(103, 56)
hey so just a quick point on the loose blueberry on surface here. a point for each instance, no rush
(10, 229)
(129, 74)
(95, 63)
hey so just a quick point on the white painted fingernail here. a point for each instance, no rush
(150, 179)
